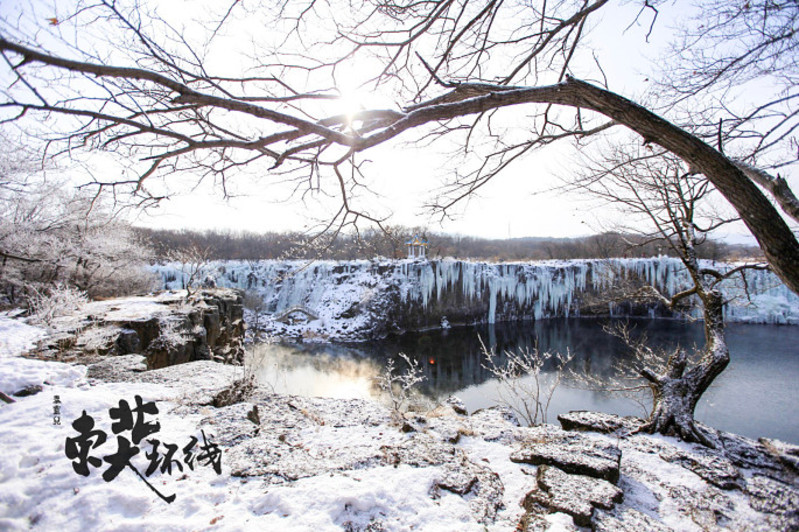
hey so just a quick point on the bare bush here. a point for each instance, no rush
(398, 386)
(192, 261)
(171, 334)
(255, 305)
(522, 386)
(61, 300)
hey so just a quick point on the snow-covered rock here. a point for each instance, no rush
(576, 495)
(167, 328)
(573, 454)
(582, 420)
(333, 465)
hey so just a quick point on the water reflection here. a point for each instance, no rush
(755, 396)
(328, 371)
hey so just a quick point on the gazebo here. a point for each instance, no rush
(417, 247)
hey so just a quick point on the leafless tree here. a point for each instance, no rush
(55, 240)
(523, 386)
(174, 96)
(657, 190)
(192, 261)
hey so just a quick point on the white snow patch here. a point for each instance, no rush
(16, 336)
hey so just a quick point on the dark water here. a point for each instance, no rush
(756, 395)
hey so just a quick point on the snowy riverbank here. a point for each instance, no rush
(322, 464)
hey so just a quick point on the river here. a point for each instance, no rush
(757, 395)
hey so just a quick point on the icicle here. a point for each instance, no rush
(538, 290)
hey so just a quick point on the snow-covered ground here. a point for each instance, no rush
(324, 464)
(17, 336)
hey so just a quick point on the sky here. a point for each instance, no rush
(518, 203)
(403, 178)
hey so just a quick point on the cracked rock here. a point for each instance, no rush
(713, 468)
(574, 454)
(774, 497)
(581, 420)
(628, 520)
(786, 453)
(576, 495)
(482, 485)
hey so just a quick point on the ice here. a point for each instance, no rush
(537, 290)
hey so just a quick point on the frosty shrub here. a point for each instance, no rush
(398, 386)
(52, 235)
(60, 300)
(523, 386)
(117, 279)
(191, 261)
(256, 358)
(170, 335)
(254, 306)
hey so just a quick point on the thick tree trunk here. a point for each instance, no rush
(678, 391)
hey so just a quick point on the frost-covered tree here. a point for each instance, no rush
(669, 203)
(52, 235)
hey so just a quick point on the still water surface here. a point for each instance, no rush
(757, 395)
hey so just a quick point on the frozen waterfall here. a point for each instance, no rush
(466, 291)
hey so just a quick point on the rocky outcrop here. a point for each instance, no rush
(573, 454)
(717, 470)
(450, 460)
(627, 520)
(576, 495)
(167, 329)
(581, 420)
(209, 327)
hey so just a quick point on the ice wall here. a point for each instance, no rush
(418, 294)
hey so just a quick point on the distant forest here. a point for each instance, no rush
(243, 245)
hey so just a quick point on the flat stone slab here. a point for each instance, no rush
(574, 454)
(576, 495)
(713, 468)
(628, 520)
(583, 420)
(478, 484)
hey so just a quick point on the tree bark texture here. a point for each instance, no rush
(678, 391)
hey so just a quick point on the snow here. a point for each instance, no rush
(339, 453)
(39, 489)
(17, 336)
(397, 497)
(134, 308)
(338, 291)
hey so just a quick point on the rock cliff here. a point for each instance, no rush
(167, 329)
(368, 299)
